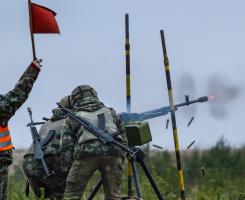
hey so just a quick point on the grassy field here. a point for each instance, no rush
(223, 177)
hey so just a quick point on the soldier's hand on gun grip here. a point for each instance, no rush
(36, 64)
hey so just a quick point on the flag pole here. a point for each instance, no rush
(31, 31)
(173, 119)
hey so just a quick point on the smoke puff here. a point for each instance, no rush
(218, 111)
(223, 92)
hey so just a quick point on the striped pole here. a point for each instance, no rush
(173, 119)
(128, 92)
(127, 51)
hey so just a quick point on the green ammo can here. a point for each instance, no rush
(138, 133)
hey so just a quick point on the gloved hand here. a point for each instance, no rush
(36, 64)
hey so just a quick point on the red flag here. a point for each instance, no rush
(43, 20)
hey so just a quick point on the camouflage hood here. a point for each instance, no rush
(57, 114)
(88, 104)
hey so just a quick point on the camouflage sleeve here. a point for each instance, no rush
(68, 140)
(11, 102)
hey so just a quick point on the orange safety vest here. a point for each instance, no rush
(5, 139)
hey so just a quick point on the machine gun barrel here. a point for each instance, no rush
(126, 117)
(199, 100)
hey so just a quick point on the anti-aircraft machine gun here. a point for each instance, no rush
(130, 120)
(138, 134)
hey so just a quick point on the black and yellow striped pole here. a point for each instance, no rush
(127, 51)
(128, 92)
(174, 125)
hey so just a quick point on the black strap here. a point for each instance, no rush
(69, 102)
(49, 137)
(101, 121)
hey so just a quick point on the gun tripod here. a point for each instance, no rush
(138, 156)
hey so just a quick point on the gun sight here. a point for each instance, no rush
(29, 110)
(187, 99)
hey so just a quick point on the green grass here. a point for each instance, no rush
(224, 175)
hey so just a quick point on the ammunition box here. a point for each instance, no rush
(138, 133)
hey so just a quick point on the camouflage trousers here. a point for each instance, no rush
(53, 185)
(3, 181)
(111, 171)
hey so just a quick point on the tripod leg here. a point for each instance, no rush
(136, 179)
(95, 190)
(129, 179)
(150, 178)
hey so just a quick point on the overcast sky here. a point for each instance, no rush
(205, 39)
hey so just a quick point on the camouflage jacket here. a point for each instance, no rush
(12, 101)
(50, 144)
(71, 150)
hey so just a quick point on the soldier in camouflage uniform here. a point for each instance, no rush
(9, 104)
(50, 134)
(88, 153)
